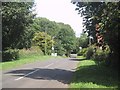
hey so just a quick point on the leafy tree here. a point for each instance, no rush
(66, 36)
(83, 40)
(56, 30)
(106, 15)
(44, 41)
(16, 16)
(44, 25)
(59, 48)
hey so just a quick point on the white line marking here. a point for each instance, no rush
(19, 78)
(48, 65)
(32, 72)
(27, 74)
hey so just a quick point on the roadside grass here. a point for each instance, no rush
(22, 61)
(26, 56)
(91, 75)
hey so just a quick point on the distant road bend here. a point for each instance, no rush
(53, 73)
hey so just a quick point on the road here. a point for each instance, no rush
(53, 73)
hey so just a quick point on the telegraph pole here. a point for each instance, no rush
(90, 38)
(45, 40)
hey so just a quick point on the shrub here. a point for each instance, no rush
(101, 55)
(89, 52)
(34, 50)
(10, 54)
(82, 52)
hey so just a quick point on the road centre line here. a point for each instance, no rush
(48, 65)
(33, 72)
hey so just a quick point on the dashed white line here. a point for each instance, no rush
(33, 72)
(48, 65)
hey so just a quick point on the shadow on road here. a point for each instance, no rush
(77, 59)
(60, 75)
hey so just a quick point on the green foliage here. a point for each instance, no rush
(15, 18)
(82, 52)
(59, 48)
(33, 51)
(43, 24)
(61, 33)
(10, 54)
(106, 14)
(66, 37)
(100, 55)
(89, 52)
(83, 40)
(44, 41)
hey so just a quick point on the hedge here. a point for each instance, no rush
(10, 54)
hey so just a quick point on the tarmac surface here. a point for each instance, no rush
(53, 73)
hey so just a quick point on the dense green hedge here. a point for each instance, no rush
(10, 54)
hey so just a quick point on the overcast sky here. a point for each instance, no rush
(60, 11)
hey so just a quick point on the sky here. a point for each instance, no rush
(60, 11)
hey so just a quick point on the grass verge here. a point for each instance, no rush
(91, 75)
(26, 56)
(22, 61)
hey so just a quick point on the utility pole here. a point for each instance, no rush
(90, 38)
(45, 41)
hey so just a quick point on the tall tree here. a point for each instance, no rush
(83, 40)
(67, 37)
(16, 16)
(45, 25)
(44, 41)
(106, 15)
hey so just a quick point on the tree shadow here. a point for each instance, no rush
(63, 76)
(77, 59)
(96, 74)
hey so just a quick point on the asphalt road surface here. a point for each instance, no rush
(53, 73)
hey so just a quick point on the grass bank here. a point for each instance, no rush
(91, 75)
(22, 61)
(26, 56)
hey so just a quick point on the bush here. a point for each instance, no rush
(89, 53)
(34, 50)
(101, 55)
(82, 52)
(10, 54)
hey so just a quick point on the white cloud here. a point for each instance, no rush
(60, 11)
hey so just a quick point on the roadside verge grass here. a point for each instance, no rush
(22, 61)
(91, 75)
(26, 56)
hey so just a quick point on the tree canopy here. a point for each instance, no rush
(44, 41)
(106, 16)
(45, 25)
(83, 40)
(62, 34)
(16, 17)
(67, 38)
